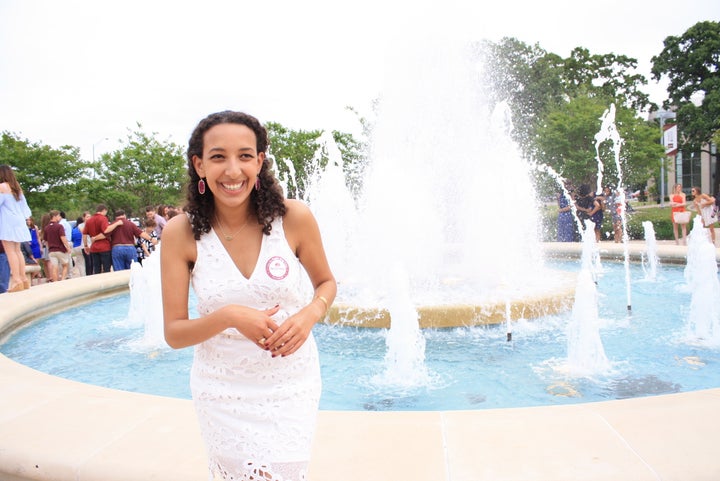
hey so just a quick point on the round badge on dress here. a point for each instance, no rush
(277, 268)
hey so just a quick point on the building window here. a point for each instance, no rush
(688, 170)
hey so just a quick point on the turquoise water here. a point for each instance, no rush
(469, 368)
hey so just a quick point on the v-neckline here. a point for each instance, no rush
(232, 261)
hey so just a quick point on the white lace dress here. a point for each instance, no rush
(257, 413)
(709, 215)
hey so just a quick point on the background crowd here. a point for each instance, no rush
(55, 249)
(578, 205)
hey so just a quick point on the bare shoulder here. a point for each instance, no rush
(178, 226)
(177, 238)
(297, 212)
(298, 223)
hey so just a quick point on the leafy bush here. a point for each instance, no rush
(660, 218)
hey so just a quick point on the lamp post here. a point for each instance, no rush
(662, 115)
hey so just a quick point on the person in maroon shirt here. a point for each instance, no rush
(58, 246)
(124, 232)
(100, 249)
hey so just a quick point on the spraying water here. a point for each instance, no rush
(608, 132)
(289, 177)
(586, 354)
(333, 204)
(146, 300)
(650, 260)
(426, 221)
(561, 183)
(701, 274)
(405, 355)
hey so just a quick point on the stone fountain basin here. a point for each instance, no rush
(547, 300)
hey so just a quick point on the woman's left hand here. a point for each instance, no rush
(291, 334)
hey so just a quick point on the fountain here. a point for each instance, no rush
(427, 202)
(145, 307)
(701, 274)
(586, 354)
(608, 132)
(429, 216)
(650, 259)
(424, 244)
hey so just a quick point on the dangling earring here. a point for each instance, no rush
(201, 186)
(257, 183)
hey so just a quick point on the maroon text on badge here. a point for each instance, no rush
(277, 268)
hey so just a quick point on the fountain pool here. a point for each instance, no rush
(650, 353)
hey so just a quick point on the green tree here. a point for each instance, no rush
(295, 150)
(354, 155)
(605, 76)
(144, 171)
(691, 62)
(527, 77)
(47, 175)
(566, 142)
(536, 83)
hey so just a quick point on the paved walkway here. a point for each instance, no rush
(53, 429)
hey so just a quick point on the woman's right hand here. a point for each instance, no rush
(254, 324)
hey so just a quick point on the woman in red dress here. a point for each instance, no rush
(680, 217)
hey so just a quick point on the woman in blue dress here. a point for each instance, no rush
(14, 212)
(34, 239)
(565, 226)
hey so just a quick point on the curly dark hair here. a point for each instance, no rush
(267, 202)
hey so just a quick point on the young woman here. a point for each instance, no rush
(705, 205)
(680, 217)
(597, 214)
(50, 269)
(588, 207)
(14, 212)
(35, 247)
(566, 222)
(34, 238)
(255, 378)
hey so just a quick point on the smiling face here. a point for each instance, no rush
(230, 162)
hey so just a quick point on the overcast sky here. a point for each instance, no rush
(80, 72)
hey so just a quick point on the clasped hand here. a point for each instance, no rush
(291, 335)
(280, 340)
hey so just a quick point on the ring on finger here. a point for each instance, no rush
(262, 340)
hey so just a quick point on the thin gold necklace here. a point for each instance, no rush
(230, 237)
